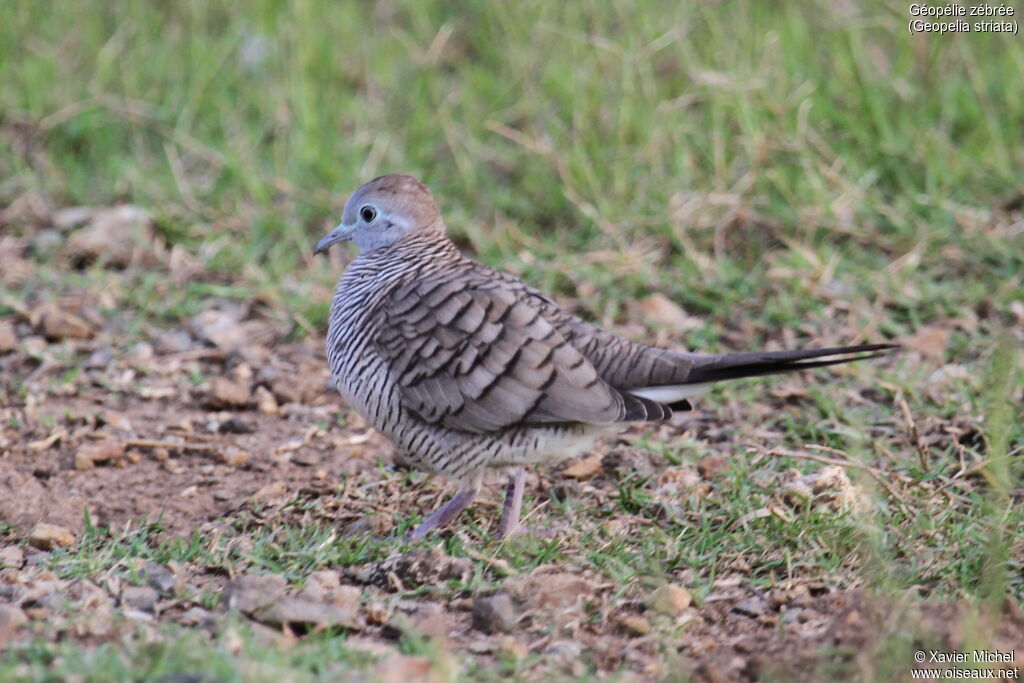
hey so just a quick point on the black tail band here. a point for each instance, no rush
(737, 365)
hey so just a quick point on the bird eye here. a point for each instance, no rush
(368, 213)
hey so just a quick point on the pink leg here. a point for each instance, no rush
(513, 505)
(444, 514)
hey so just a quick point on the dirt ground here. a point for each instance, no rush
(217, 426)
(199, 457)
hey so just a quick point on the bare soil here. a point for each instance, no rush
(219, 427)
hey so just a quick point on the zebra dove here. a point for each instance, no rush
(466, 368)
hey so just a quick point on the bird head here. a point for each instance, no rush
(383, 211)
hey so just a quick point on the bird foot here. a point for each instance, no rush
(443, 514)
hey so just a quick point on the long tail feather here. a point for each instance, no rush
(737, 365)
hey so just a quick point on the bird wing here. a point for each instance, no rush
(625, 365)
(475, 355)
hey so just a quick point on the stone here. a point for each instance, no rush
(104, 450)
(49, 536)
(16, 270)
(265, 401)
(172, 341)
(325, 586)
(751, 607)
(46, 241)
(228, 393)
(250, 592)
(346, 596)
(99, 359)
(555, 590)
(234, 456)
(86, 595)
(234, 425)
(72, 217)
(8, 339)
(418, 568)
(141, 598)
(114, 236)
(11, 619)
(305, 612)
(791, 615)
(635, 625)
(139, 354)
(565, 650)
(12, 556)
(222, 329)
(306, 458)
(57, 324)
(117, 421)
(98, 622)
(428, 620)
(27, 209)
(494, 614)
(159, 578)
(670, 600)
(197, 616)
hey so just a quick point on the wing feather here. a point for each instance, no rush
(478, 356)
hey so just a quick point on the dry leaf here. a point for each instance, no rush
(49, 536)
(662, 311)
(930, 342)
(584, 468)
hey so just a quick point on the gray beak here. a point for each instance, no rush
(339, 234)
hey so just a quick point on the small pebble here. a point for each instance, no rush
(140, 598)
(12, 556)
(197, 616)
(8, 338)
(671, 600)
(11, 617)
(234, 425)
(50, 536)
(174, 341)
(635, 625)
(227, 393)
(98, 360)
(494, 614)
(159, 578)
(139, 354)
(751, 607)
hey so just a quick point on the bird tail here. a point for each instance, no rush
(737, 365)
(709, 369)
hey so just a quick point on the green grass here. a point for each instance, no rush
(545, 132)
(770, 166)
(237, 654)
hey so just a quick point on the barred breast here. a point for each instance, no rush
(366, 296)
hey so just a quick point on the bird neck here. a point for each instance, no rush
(422, 244)
(418, 247)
